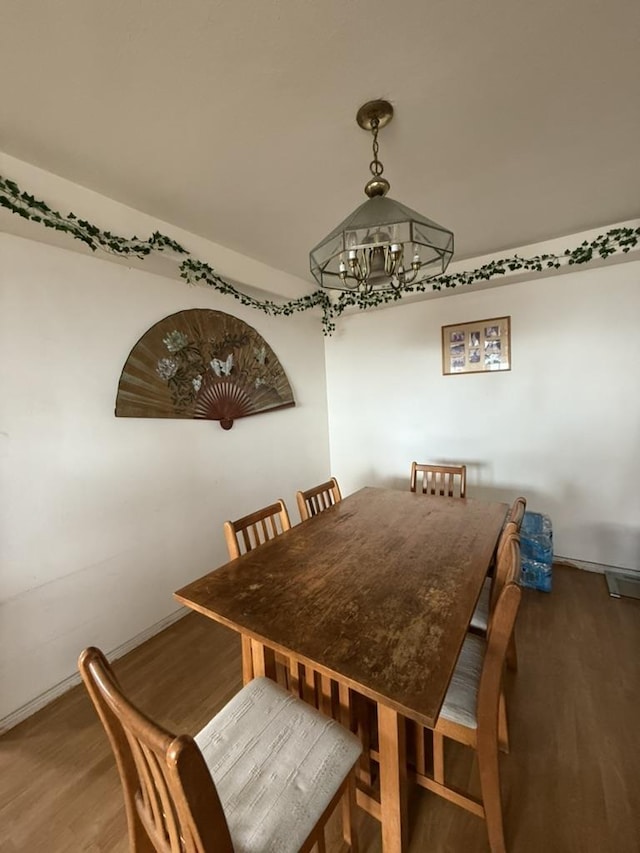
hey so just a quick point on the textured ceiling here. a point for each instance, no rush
(514, 121)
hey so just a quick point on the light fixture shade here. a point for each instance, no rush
(382, 223)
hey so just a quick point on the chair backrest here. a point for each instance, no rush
(507, 562)
(510, 529)
(445, 480)
(500, 629)
(317, 499)
(516, 513)
(171, 802)
(254, 529)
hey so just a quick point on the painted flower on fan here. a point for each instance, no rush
(166, 368)
(260, 354)
(197, 382)
(222, 368)
(175, 341)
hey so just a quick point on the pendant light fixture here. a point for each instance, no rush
(382, 245)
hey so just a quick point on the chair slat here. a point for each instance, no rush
(246, 538)
(168, 827)
(151, 800)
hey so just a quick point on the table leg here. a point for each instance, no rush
(393, 779)
(264, 660)
(247, 660)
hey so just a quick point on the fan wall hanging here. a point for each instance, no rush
(202, 364)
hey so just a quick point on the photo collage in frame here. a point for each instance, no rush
(477, 347)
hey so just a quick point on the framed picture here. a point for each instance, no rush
(477, 347)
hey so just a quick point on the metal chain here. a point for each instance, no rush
(375, 165)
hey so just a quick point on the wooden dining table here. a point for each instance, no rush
(374, 594)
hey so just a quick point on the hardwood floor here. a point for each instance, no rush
(570, 783)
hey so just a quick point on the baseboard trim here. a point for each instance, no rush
(586, 566)
(30, 708)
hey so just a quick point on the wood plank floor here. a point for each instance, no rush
(571, 782)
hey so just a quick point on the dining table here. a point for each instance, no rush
(370, 598)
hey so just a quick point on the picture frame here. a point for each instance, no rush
(481, 346)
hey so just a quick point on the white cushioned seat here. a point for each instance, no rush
(459, 704)
(480, 618)
(276, 764)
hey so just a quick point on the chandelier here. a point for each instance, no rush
(382, 245)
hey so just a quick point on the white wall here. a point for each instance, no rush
(102, 518)
(562, 427)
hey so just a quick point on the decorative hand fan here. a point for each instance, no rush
(202, 364)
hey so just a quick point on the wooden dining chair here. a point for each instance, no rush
(507, 570)
(317, 499)
(255, 529)
(444, 480)
(471, 713)
(265, 773)
(244, 535)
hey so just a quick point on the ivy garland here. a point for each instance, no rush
(193, 270)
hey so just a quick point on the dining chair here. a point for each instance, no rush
(471, 713)
(444, 480)
(265, 773)
(244, 535)
(255, 529)
(507, 570)
(317, 499)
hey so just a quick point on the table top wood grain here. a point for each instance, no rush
(376, 591)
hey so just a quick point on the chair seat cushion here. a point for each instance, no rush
(459, 704)
(276, 763)
(480, 618)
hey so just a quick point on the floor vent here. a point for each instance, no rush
(625, 584)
